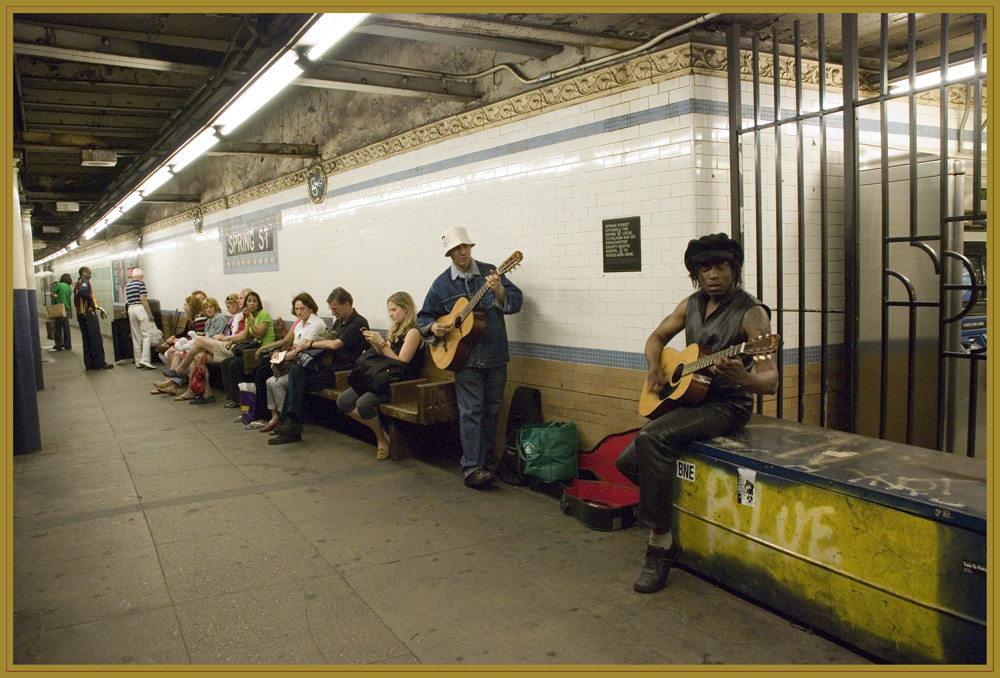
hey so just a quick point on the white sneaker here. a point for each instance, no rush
(146, 366)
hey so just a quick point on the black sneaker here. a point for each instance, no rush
(654, 572)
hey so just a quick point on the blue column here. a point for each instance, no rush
(27, 432)
(29, 283)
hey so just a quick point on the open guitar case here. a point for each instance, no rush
(601, 497)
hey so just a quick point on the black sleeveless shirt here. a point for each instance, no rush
(416, 362)
(720, 331)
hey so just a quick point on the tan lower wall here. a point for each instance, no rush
(605, 400)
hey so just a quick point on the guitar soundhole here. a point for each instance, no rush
(678, 373)
(458, 323)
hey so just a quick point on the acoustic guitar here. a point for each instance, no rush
(686, 371)
(450, 351)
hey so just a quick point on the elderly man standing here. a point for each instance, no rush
(480, 380)
(140, 319)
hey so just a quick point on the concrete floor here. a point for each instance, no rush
(148, 531)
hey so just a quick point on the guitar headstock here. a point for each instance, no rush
(762, 346)
(511, 262)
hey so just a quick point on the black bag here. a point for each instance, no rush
(314, 359)
(247, 344)
(373, 372)
(121, 338)
(525, 408)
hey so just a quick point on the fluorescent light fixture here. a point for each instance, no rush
(933, 78)
(111, 217)
(329, 29)
(266, 87)
(133, 199)
(192, 150)
(154, 181)
(72, 246)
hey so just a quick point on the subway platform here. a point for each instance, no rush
(154, 532)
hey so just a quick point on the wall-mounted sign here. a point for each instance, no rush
(316, 183)
(249, 243)
(622, 245)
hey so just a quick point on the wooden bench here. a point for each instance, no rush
(879, 544)
(420, 414)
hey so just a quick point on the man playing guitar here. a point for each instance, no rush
(480, 380)
(719, 315)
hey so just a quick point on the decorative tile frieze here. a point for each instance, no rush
(642, 70)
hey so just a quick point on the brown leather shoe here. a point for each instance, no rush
(479, 477)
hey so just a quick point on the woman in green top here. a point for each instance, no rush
(258, 326)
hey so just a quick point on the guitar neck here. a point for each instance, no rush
(473, 301)
(708, 360)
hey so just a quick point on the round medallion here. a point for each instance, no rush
(316, 183)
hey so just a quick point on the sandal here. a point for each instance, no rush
(254, 425)
(183, 398)
(268, 427)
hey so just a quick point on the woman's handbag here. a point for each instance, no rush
(373, 372)
(247, 344)
(549, 450)
(198, 379)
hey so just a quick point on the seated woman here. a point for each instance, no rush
(404, 343)
(307, 327)
(258, 326)
(216, 334)
(215, 323)
(173, 357)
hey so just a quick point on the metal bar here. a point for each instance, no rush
(735, 124)
(758, 195)
(800, 179)
(804, 117)
(883, 416)
(946, 371)
(977, 119)
(911, 60)
(970, 441)
(824, 330)
(778, 225)
(852, 377)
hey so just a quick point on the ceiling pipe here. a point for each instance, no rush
(572, 70)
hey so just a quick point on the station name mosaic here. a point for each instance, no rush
(249, 243)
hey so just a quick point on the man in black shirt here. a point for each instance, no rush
(340, 354)
(719, 315)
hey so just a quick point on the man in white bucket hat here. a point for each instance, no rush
(480, 380)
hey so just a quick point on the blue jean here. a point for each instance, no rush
(479, 395)
(650, 460)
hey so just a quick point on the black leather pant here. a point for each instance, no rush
(650, 460)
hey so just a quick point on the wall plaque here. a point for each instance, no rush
(622, 245)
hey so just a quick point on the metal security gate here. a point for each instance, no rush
(861, 195)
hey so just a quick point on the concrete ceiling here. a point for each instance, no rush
(133, 87)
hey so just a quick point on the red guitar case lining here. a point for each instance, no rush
(601, 497)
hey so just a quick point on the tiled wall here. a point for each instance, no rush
(541, 184)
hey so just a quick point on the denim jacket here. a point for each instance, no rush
(490, 350)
